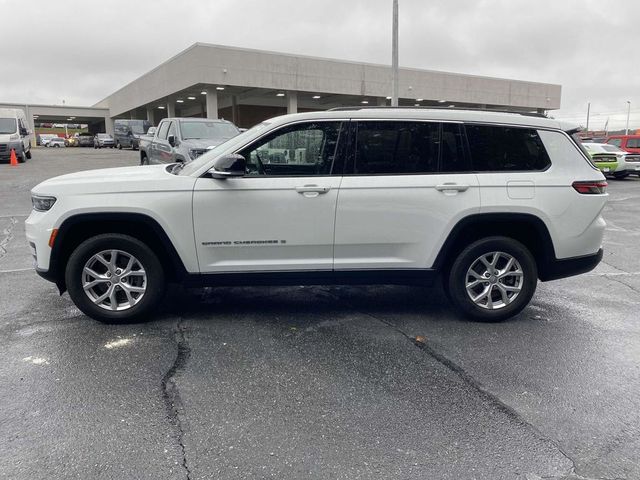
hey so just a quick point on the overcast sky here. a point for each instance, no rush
(83, 51)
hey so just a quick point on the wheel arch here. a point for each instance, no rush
(528, 229)
(76, 229)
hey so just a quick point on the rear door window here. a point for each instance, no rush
(396, 148)
(499, 148)
(633, 143)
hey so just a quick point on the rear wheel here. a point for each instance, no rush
(492, 279)
(115, 278)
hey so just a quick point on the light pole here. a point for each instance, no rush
(394, 56)
(588, 110)
(626, 130)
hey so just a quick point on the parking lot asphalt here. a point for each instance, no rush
(318, 382)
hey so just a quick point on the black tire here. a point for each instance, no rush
(457, 279)
(119, 146)
(28, 154)
(21, 157)
(155, 278)
(144, 160)
(620, 176)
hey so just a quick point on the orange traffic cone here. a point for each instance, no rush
(13, 158)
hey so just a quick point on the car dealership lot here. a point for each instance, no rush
(320, 382)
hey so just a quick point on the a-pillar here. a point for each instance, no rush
(212, 103)
(171, 110)
(292, 102)
(150, 115)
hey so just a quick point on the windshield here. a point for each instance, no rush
(611, 148)
(7, 125)
(213, 130)
(104, 135)
(238, 140)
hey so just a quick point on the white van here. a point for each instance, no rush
(14, 134)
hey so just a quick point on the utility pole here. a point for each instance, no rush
(394, 57)
(588, 110)
(626, 130)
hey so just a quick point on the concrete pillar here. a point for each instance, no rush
(171, 110)
(212, 103)
(108, 126)
(132, 114)
(31, 125)
(292, 102)
(150, 115)
(235, 114)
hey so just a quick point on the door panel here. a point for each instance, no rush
(398, 222)
(265, 224)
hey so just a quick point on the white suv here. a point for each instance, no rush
(490, 202)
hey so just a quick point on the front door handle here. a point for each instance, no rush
(312, 189)
(452, 187)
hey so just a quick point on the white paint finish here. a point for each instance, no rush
(264, 209)
(147, 190)
(399, 221)
(521, 189)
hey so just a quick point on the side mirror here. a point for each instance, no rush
(172, 140)
(232, 165)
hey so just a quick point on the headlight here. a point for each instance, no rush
(15, 136)
(42, 204)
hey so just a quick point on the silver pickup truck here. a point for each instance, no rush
(184, 139)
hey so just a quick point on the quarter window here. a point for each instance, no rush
(396, 148)
(303, 149)
(495, 149)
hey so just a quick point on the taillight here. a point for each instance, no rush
(590, 188)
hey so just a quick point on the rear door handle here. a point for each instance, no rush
(312, 189)
(452, 187)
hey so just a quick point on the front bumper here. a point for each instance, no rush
(5, 149)
(568, 267)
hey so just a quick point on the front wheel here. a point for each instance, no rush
(115, 278)
(492, 279)
(28, 154)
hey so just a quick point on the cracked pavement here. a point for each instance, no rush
(318, 382)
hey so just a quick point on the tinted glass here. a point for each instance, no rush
(396, 148)
(495, 149)
(452, 157)
(303, 149)
(208, 130)
(633, 143)
(172, 130)
(615, 141)
(8, 125)
(162, 134)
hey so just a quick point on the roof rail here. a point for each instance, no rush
(436, 107)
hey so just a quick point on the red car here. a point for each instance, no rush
(629, 143)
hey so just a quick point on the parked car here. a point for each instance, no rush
(628, 143)
(45, 138)
(613, 161)
(151, 132)
(71, 141)
(489, 202)
(56, 142)
(184, 139)
(85, 139)
(128, 132)
(103, 140)
(14, 134)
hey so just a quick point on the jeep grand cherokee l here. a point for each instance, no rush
(489, 202)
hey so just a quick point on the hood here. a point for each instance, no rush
(113, 180)
(203, 143)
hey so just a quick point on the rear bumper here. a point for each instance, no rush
(568, 267)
